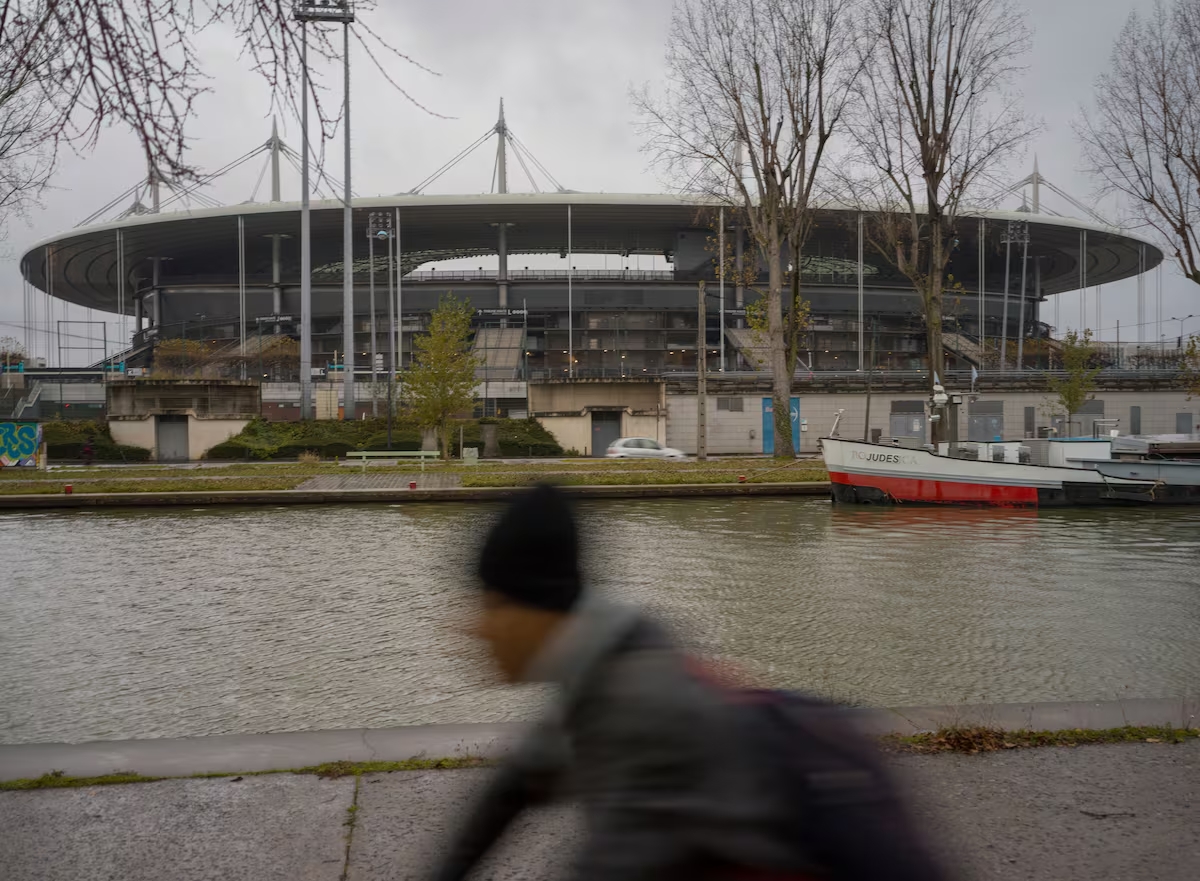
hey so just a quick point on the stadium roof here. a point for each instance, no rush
(85, 260)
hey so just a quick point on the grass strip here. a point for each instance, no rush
(981, 739)
(636, 478)
(965, 740)
(187, 484)
(752, 468)
(326, 770)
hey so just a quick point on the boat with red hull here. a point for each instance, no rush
(870, 473)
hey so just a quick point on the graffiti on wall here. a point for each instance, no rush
(20, 443)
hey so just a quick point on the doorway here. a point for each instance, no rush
(606, 428)
(171, 438)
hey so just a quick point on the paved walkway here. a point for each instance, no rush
(424, 480)
(1101, 813)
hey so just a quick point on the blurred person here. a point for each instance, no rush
(678, 777)
(89, 450)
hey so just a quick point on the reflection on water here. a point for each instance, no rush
(161, 624)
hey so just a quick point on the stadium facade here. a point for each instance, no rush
(209, 274)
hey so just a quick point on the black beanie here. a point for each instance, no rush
(532, 553)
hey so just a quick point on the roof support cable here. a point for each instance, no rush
(133, 191)
(261, 175)
(536, 162)
(416, 191)
(521, 159)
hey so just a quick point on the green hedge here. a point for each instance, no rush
(65, 440)
(329, 439)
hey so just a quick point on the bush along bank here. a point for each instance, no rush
(264, 440)
(66, 439)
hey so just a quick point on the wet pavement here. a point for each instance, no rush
(1098, 813)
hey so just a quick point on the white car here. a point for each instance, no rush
(640, 448)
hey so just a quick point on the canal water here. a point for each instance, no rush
(213, 621)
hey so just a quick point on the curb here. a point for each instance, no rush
(241, 753)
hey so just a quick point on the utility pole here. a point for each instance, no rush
(870, 380)
(1021, 311)
(701, 382)
(1017, 232)
(721, 266)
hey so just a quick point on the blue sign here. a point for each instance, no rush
(768, 430)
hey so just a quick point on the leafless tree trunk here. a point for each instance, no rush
(756, 90)
(93, 63)
(937, 119)
(1142, 139)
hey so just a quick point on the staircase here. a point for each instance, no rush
(964, 347)
(29, 400)
(743, 341)
(498, 351)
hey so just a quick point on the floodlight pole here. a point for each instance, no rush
(305, 235)
(339, 12)
(348, 413)
(371, 282)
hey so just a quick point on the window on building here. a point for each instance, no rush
(733, 405)
(985, 421)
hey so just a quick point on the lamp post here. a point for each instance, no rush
(1181, 321)
(1017, 232)
(371, 284)
(379, 228)
(337, 12)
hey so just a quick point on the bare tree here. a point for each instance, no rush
(94, 63)
(756, 90)
(1142, 139)
(937, 120)
(26, 162)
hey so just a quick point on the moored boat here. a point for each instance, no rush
(1077, 472)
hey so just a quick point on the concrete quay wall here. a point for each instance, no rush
(396, 496)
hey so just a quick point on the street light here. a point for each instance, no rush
(379, 228)
(1181, 321)
(336, 12)
(1017, 232)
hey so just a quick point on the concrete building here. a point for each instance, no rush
(179, 420)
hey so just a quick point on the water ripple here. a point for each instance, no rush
(145, 624)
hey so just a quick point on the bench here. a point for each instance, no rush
(364, 455)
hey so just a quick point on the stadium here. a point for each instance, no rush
(230, 276)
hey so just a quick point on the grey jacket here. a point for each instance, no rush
(646, 748)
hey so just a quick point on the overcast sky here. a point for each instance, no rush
(564, 70)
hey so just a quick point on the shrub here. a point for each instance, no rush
(288, 440)
(65, 440)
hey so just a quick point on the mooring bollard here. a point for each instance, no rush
(412, 484)
(741, 478)
(68, 489)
